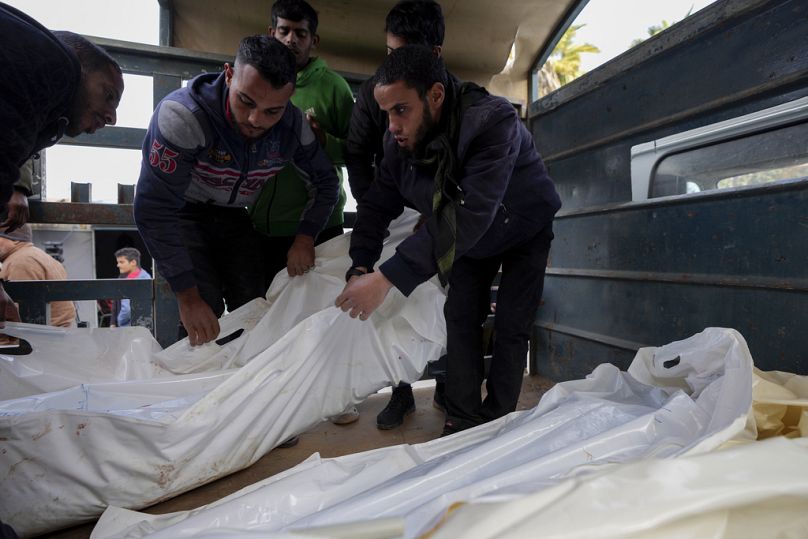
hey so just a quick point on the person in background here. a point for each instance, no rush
(410, 22)
(23, 261)
(128, 261)
(326, 99)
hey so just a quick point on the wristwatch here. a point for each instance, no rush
(355, 271)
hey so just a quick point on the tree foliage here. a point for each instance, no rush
(565, 60)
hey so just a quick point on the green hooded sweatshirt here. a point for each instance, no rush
(326, 96)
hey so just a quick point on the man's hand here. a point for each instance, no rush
(300, 258)
(197, 317)
(363, 294)
(8, 309)
(17, 211)
(319, 132)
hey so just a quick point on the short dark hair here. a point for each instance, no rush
(129, 253)
(418, 22)
(271, 58)
(91, 57)
(294, 10)
(416, 65)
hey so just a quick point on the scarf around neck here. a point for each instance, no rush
(447, 194)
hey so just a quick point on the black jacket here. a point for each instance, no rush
(507, 196)
(37, 88)
(363, 147)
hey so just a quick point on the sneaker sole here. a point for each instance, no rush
(345, 420)
(390, 426)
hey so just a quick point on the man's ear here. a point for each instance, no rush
(228, 73)
(437, 50)
(436, 94)
(270, 31)
(315, 40)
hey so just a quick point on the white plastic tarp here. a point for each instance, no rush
(677, 401)
(102, 417)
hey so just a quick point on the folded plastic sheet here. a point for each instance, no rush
(102, 417)
(749, 491)
(677, 401)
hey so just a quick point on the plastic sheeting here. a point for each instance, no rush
(102, 417)
(677, 401)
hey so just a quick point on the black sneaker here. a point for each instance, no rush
(439, 400)
(401, 403)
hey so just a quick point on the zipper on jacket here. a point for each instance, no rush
(271, 200)
(244, 167)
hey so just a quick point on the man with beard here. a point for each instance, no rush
(209, 150)
(53, 84)
(464, 159)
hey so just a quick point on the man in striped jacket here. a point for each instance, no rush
(209, 150)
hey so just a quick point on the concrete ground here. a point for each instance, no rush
(330, 441)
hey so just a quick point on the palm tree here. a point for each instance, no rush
(566, 57)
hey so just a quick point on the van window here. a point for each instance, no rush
(603, 30)
(757, 159)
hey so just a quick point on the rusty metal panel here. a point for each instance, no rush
(32, 296)
(70, 213)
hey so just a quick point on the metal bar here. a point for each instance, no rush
(547, 47)
(78, 289)
(795, 79)
(70, 213)
(591, 336)
(164, 85)
(698, 279)
(32, 296)
(81, 192)
(110, 137)
(754, 191)
(38, 176)
(143, 59)
(126, 194)
(166, 22)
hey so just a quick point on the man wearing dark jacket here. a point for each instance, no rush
(464, 159)
(209, 150)
(53, 84)
(409, 22)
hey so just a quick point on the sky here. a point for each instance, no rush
(611, 25)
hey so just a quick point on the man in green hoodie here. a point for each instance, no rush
(326, 99)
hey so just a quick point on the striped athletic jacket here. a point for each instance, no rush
(192, 153)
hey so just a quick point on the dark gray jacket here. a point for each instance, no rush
(508, 196)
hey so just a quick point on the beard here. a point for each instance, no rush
(421, 134)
